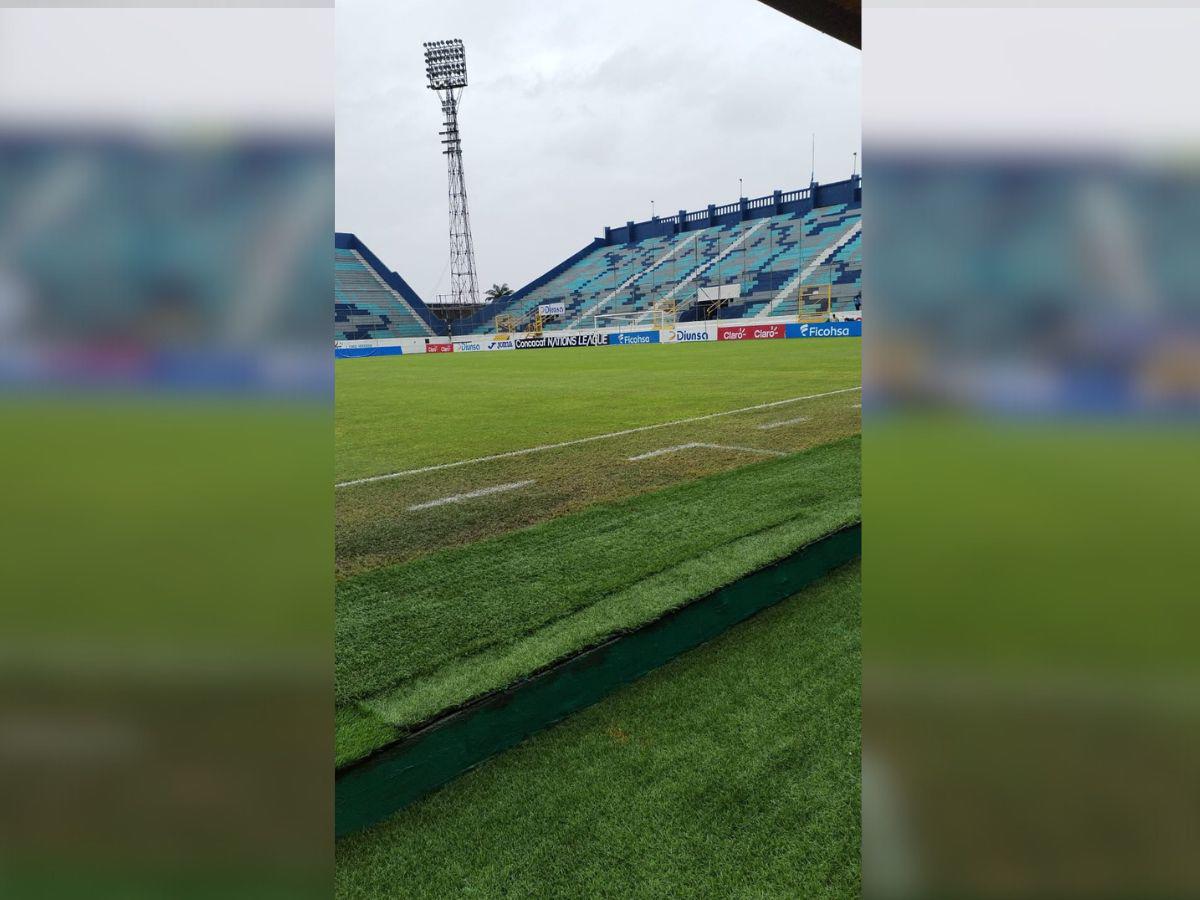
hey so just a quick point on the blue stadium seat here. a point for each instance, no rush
(366, 307)
(775, 260)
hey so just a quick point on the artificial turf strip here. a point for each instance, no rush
(399, 626)
(732, 771)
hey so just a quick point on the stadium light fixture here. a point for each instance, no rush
(446, 65)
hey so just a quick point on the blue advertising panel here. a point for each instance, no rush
(634, 337)
(824, 329)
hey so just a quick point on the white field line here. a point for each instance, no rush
(665, 450)
(471, 495)
(771, 425)
(595, 437)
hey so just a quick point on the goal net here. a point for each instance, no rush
(623, 321)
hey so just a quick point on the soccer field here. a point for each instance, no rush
(500, 512)
(474, 445)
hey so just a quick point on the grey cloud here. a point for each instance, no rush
(576, 117)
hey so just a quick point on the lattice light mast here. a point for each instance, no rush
(446, 68)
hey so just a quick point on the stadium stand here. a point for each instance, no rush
(783, 254)
(371, 301)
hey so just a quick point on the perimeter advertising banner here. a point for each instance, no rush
(634, 337)
(363, 352)
(824, 329)
(439, 348)
(481, 345)
(561, 340)
(685, 333)
(751, 332)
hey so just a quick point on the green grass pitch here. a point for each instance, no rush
(731, 772)
(398, 415)
(496, 512)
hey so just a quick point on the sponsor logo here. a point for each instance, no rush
(439, 348)
(750, 332)
(500, 345)
(561, 340)
(634, 337)
(679, 335)
(553, 309)
(468, 347)
(824, 329)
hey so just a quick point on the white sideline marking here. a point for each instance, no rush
(676, 449)
(585, 440)
(471, 495)
(771, 425)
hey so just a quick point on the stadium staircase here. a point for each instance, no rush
(788, 291)
(681, 308)
(603, 306)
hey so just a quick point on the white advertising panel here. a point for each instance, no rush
(684, 333)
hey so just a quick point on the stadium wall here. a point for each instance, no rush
(805, 200)
(681, 332)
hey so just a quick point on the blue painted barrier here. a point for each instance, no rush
(361, 352)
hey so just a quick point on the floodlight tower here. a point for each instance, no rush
(446, 68)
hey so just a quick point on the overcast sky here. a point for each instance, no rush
(576, 116)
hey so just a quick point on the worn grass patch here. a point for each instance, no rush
(416, 638)
(734, 768)
(390, 521)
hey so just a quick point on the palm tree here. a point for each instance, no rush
(496, 291)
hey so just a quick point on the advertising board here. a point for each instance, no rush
(750, 332)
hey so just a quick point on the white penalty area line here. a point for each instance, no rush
(595, 437)
(471, 495)
(771, 425)
(676, 449)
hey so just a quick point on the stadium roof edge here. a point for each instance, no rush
(841, 19)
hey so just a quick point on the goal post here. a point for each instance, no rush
(815, 303)
(621, 321)
(666, 313)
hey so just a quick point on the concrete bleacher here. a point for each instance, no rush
(776, 249)
(371, 302)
